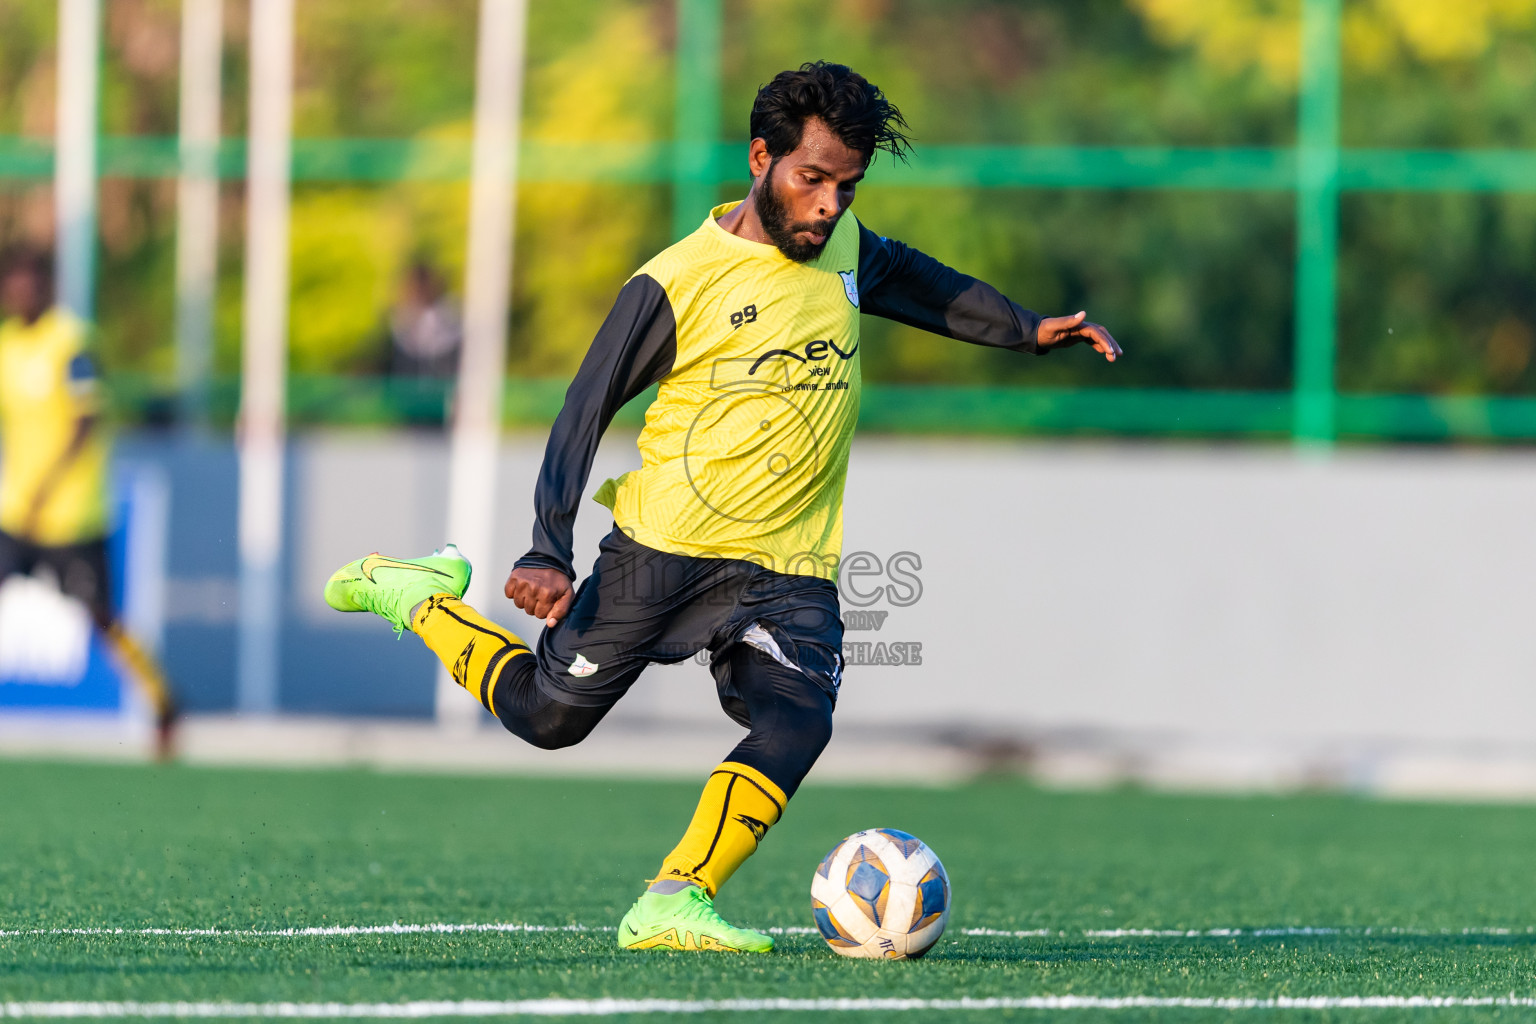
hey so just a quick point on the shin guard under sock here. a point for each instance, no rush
(738, 806)
(473, 648)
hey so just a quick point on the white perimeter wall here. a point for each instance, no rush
(1132, 596)
(1384, 594)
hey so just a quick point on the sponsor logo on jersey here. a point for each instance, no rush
(850, 286)
(815, 351)
(582, 667)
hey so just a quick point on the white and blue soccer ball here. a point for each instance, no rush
(880, 893)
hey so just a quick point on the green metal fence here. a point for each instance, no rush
(1248, 168)
(317, 399)
(1317, 170)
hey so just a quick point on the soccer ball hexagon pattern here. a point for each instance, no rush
(880, 893)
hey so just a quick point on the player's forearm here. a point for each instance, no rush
(977, 313)
(902, 284)
(633, 349)
(589, 407)
(563, 476)
(982, 315)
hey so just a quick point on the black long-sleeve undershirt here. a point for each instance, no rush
(900, 283)
(637, 347)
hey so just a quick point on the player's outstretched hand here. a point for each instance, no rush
(1062, 331)
(543, 593)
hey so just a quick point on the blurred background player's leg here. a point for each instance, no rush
(84, 575)
(145, 670)
(17, 558)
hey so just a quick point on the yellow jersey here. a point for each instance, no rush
(744, 453)
(745, 448)
(48, 383)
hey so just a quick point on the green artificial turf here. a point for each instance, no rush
(93, 846)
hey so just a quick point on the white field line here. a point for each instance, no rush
(342, 930)
(1222, 933)
(444, 928)
(319, 932)
(614, 1007)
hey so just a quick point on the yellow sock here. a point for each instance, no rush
(144, 669)
(737, 808)
(473, 648)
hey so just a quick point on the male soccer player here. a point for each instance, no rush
(53, 463)
(729, 535)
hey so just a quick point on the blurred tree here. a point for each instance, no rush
(1236, 36)
(349, 249)
(1198, 284)
(384, 67)
(1436, 293)
(578, 244)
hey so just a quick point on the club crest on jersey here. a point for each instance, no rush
(582, 667)
(850, 286)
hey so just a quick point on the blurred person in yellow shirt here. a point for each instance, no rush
(54, 452)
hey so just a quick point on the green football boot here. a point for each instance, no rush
(685, 920)
(391, 587)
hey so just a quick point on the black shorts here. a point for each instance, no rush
(81, 569)
(641, 606)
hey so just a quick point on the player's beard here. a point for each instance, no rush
(773, 212)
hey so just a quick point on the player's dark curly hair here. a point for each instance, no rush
(857, 112)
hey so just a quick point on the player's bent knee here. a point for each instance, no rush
(800, 733)
(552, 725)
(529, 713)
(552, 736)
(544, 734)
(813, 727)
(542, 738)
